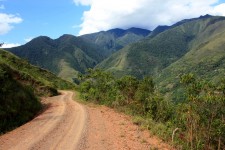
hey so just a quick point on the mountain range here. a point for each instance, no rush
(191, 45)
(69, 55)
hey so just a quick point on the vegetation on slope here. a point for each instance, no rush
(20, 86)
(161, 28)
(32, 75)
(150, 56)
(115, 39)
(206, 60)
(65, 56)
(196, 123)
(18, 104)
(194, 118)
(153, 54)
(68, 55)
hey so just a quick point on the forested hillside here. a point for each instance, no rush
(68, 55)
(190, 45)
(153, 54)
(65, 56)
(115, 39)
(207, 61)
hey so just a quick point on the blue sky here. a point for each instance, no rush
(41, 17)
(22, 20)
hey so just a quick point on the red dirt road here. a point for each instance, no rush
(110, 130)
(60, 126)
(68, 125)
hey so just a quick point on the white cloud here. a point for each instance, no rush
(6, 21)
(83, 2)
(107, 14)
(219, 9)
(2, 7)
(10, 45)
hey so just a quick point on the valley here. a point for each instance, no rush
(68, 55)
(134, 51)
(169, 81)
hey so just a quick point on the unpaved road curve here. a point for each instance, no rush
(68, 125)
(60, 126)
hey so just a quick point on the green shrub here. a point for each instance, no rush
(199, 117)
(17, 103)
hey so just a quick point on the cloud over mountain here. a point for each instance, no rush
(7, 21)
(10, 45)
(104, 15)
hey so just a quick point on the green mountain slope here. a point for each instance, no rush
(20, 84)
(65, 56)
(153, 54)
(115, 39)
(161, 28)
(206, 61)
(31, 75)
(68, 55)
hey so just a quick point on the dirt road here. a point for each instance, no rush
(60, 126)
(66, 124)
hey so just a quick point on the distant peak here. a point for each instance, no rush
(205, 16)
(134, 28)
(66, 36)
(116, 29)
(139, 31)
(117, 32)
(41, 38)
(162, 26)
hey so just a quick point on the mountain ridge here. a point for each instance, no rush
(115, 39)
(68, 55)
(69, 51)
(121, 51)
(156, 53)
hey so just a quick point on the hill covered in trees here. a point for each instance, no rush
(190, 45)
(115, 39)
(68, 55)
(153, 54)
(65, 56)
